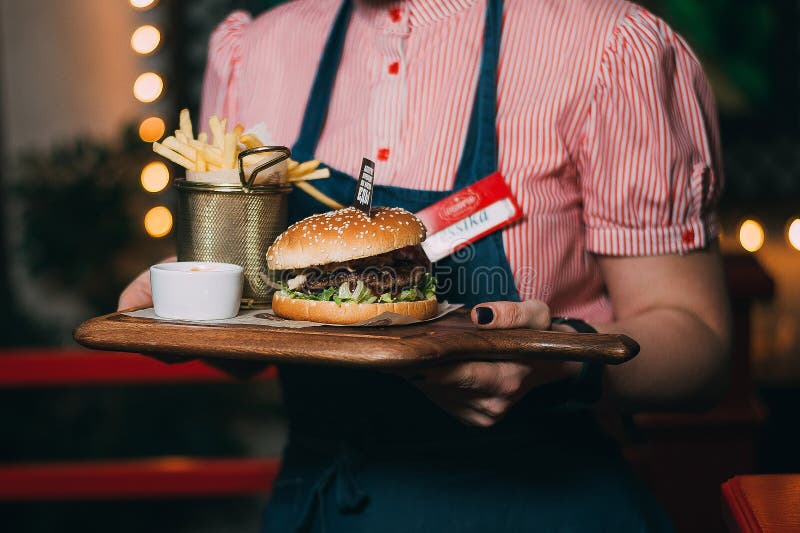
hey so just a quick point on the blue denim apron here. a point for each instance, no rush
(368, 452)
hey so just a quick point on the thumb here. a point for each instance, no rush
(137, 293)
(533, 314)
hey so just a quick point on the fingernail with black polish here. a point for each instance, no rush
(417, 377)
(485, 315)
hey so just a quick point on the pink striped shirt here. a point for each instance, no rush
(607, 127)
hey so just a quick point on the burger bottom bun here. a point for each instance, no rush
(348, 313)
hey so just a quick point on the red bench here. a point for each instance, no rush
(762, 504)
(160, 477)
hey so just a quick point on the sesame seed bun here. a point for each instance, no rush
(347, 313)
(344, 235)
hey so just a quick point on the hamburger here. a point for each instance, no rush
(343, 267)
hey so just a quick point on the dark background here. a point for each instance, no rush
(750, 52)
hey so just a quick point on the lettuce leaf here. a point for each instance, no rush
(326, 295)
(362, 294)
(429, 286)
(408, 295)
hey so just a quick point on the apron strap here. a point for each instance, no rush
(321, 89)
(479, 156)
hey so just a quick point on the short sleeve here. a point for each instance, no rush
(649, 160)
(223, 68)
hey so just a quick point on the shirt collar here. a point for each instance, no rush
(412, 13)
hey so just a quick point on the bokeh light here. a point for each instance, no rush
(793, 234)
(145, 39)
(158, 221)
(152, 129)
(148, 87)
(155, 176)
(751, 235)
(142, 4)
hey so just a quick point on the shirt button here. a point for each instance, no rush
(383, 154)
(688, 236)
(396, 14)
(394, 68)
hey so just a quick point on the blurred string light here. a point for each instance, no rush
(145, 39)
(147, 87)
(142, 4)
(793, 233)
(158, 221)
(152, 129)
(155, 176)
(751, 235)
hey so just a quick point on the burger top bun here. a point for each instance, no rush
(344, 235)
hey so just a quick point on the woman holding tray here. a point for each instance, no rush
(600, 120)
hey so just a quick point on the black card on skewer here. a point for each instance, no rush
(363, 197)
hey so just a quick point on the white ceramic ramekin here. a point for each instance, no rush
(196, 290)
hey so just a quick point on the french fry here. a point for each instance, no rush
(222, 151)
(304, 168)
(197, 145)
(200, 163)
(211, 153)
(229, 151)
(175, 157)
(185, 122)
(250, 141)
(184, 149)
(217, 131)
(253, 159)
(318, 195)
(320, 173)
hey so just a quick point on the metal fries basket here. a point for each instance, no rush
(236, 223)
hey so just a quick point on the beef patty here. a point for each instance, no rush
(378, 278)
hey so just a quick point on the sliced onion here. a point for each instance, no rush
(296, 281)
(344, 291)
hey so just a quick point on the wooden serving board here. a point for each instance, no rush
(452, 337)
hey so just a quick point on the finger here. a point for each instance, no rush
(533, 314)
(472, 376)
(466, 413)
(137, 293)
(493, 407)
(472, 417)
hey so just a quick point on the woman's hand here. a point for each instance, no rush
(481, 393)
(137, 293)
